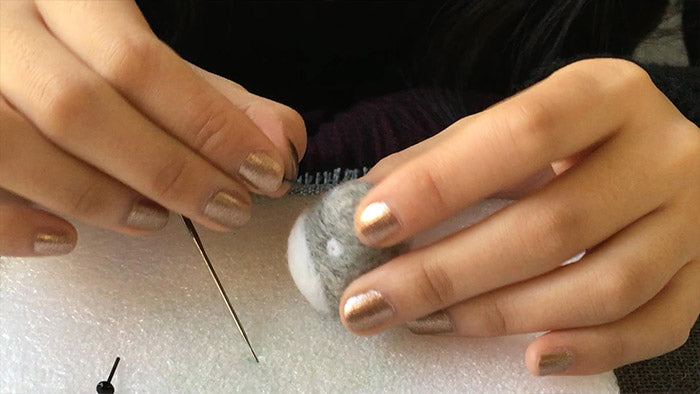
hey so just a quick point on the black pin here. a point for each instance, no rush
(105, 387)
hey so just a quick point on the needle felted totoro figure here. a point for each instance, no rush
(323, 252)
(325, 255)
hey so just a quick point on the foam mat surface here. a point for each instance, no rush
(151, 301)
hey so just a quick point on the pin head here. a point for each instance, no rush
(105, 387)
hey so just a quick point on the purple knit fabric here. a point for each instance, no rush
(365, 133)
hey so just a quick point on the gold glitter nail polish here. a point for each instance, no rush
(147, 215)
(376, 222)
(435, 323)
(262, 172)
(52, 244)
(367, 310)
(228, 209)
(555, 363)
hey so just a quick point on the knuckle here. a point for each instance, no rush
(631, 76)
(294, 126)
(390, 161)
(170, 182)
(678, 334)
(619, 294)
(435, 285)
(686, 149)
(529, 126)
(552, 228)
(428, 180)
(290, 119)
(131, 59)
(90, 201)
(63, 99)
(497, 322)
(209, 127)
(621, 75)
(679, 156)
(629, 79)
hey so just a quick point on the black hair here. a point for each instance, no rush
(336, 53)
(691, 29)
(373, 77)
(495, 45)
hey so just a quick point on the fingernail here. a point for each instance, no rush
(367, 310)
(147, 215)
(376, 222)
(435, 323)
(52, 244)
(262, 172)
(228, 209)
(558, 362)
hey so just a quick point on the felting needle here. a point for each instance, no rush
(200, 247)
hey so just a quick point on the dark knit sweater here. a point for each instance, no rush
(349, 67)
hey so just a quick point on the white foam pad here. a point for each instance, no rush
(150, 300)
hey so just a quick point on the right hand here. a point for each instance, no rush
(103, 122)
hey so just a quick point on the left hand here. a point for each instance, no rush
(625, 187)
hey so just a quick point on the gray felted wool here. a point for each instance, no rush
(323, 251)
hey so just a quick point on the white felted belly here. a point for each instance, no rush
(151, 301)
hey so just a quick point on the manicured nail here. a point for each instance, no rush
(262, 172)
(147, 215)
(435, 323)
(367, 310)
(53, 243)
(376, 222)
(228, 209)
(558, 362)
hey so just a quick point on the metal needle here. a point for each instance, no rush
(200, 247)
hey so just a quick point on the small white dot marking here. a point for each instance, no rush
(334, 248)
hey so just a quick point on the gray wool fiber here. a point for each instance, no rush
(336, 252)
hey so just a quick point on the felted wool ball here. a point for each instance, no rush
(325, 255)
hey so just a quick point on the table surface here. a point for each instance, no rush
(151, 301)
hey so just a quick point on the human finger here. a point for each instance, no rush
(391, 163)
(122, 49)
(578, 210)
(26, 231)
(33, 167)
(611, 281)
(280, 123)
(83, 115)
(502, 146)
(659, 326)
